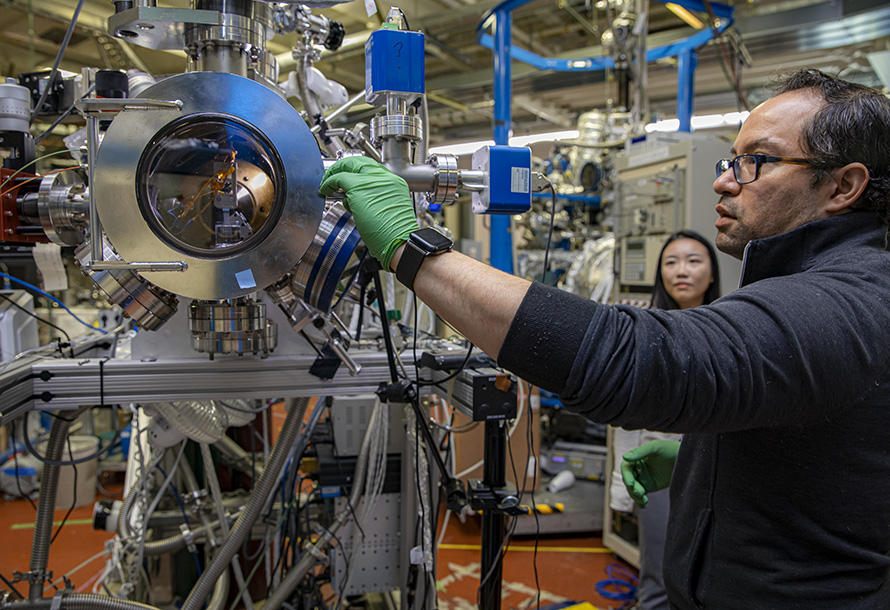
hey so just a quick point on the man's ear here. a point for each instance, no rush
(848, 184)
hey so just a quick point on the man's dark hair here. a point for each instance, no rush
(852, 126)
(660, 297)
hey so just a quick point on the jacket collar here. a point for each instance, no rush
(799, 249)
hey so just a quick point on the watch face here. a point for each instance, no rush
(431, 240)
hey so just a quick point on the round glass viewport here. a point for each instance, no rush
(210, 186)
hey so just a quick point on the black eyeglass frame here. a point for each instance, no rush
(723, 165)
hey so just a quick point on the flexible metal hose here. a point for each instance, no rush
(310, 102)
(78, 601)
(88, 601)
(177, 541)
(49, 486)
(284, 590)
(220, 593)
(296, 410)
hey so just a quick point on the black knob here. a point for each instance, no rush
(335, 36)
(112, 83)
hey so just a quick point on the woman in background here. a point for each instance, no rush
(687, 276)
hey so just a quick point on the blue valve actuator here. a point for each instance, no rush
(394, 63)
(507, 180)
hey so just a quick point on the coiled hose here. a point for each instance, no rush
(220, 593)
(177, 541)
(296, 409)
(310, 102)
(49, 486)
(308, 559)
(78, 601)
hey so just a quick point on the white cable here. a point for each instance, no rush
(54, 346)
(151, 508)
(72, 571)
(375, 477)
(409, 309)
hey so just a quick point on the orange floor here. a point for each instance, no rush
(568, 567)
(76, 543)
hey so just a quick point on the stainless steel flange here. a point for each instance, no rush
(147, 305)
(227, 328)
(229, 185)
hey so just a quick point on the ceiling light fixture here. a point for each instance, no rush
(708, 121)
(685, 15)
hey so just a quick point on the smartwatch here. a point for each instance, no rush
(421, 243)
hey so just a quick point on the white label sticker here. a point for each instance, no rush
(370, 7)
(49, 260)
(519, 180)
(245, 279)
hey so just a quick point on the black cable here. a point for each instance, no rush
(453, 374)
(384, 324)
(15, 460)
(58, 60)
(74, 496)
(11, 586)
(98, 454)
(549, 233)
(502, 552)
(422, 568)
(102, 450)
(361, 313)
(346, 573)
(64, 116)
(39, 319)
(405, 19)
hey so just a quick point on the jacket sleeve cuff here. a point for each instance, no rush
(545, 336)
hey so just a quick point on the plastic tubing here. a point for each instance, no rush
(123, 520)
(296, 408)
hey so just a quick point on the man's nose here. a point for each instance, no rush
(725, 184)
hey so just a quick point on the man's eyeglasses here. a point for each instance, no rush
(746, 168)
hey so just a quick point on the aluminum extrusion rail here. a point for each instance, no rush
(68, 383)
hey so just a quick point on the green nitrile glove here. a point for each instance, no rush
(378, 200)
(649, 468)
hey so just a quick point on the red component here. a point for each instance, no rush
(9, 214)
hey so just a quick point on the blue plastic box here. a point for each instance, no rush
(394, 62)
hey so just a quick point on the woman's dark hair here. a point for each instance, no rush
(660, 297)
(852, 126)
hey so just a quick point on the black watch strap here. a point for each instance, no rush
(409, 264)
(421, 244)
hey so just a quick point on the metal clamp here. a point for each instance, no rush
(57, 600)
(189, 538)
(318, 554)
(447, 179)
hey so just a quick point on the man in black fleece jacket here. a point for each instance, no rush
(781, 490)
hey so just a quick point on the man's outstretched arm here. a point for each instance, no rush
(476, 299)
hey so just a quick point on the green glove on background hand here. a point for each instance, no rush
(379, 202)
(649, 468)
